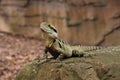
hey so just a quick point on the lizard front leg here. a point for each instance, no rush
(45, 55)
(63, 54)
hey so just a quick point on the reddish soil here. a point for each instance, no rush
(15, 52)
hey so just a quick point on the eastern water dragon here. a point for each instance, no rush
(60, 49)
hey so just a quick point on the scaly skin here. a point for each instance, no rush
(60, 49)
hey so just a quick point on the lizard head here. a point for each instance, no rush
(49, 30)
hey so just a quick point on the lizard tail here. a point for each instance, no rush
(87, 48)
(106, 50)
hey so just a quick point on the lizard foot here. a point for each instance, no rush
(59, 58)
(87, 55)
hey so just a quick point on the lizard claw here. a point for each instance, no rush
(59, 58)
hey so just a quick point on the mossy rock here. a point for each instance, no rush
(101, 67)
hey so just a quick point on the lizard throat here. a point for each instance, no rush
(49, 41)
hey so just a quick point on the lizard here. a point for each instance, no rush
(59, 48)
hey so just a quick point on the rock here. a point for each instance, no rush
(99, 67)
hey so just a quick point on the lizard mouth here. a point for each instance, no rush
(51, 34)
(46, 31)
(42, 30)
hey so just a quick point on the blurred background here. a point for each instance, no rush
(86, 22)
(89, 22)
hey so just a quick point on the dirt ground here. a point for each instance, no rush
(15, 52)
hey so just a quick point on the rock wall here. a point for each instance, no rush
(90, 22)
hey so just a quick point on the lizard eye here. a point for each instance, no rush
(52, 28)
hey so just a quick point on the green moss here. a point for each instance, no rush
(28, 72)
